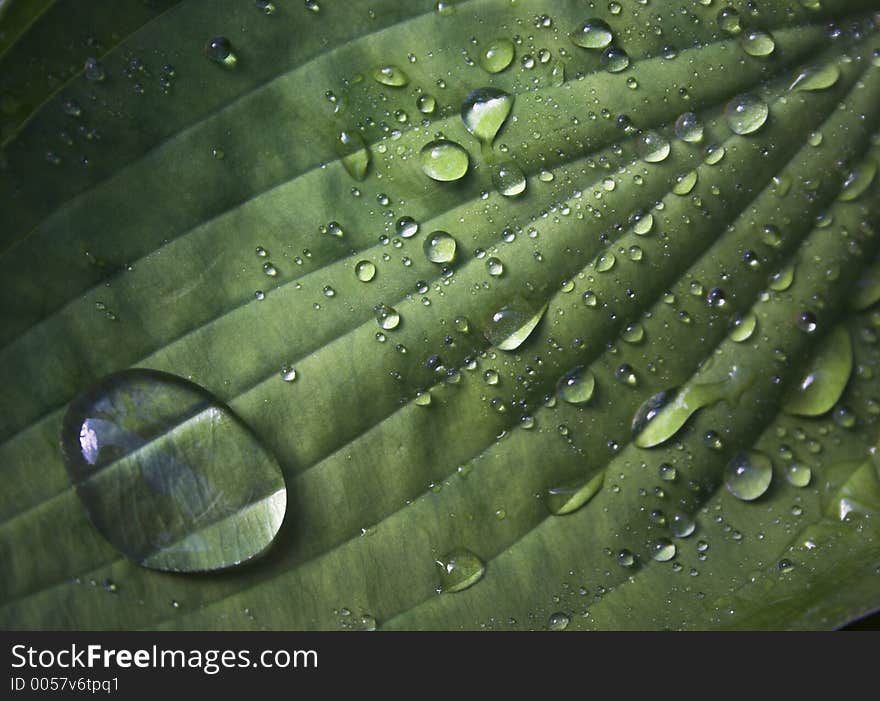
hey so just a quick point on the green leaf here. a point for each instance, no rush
(239, 225)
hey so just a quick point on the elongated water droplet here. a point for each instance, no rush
(169, 475)
(509, 327)
(439, 247)
(497, 56)
(484, 112)
(825, 377)
(387, 317)
(571, 497)
(745, 114)
(508, 179)
(444, 160)
(748, 475)
(390, 75)
(744, 328)
(815, 78)
(867, 291)
(354, 153)
(459, 570)
(220, 51)
(664, 414)
(592, 34)
(858, 181)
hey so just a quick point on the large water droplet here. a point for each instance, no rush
(825, 377)
(508, 179)
(169, 475)
(497, 56)
(558, 621)
(484, 112)
(459, 569)
(663, 415)
(439, 247)
(614, 59)
(858, 181)
(509, 327)
(745, 114)
(688, 127)
(592, 34)
(577, 385)
(444, 160)
(748, 475)
(354, 153)
(570, 497)
(365, 270)
(758, 43)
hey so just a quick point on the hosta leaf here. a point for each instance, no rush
(455, 424)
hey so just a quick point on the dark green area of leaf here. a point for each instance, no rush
(146, 257)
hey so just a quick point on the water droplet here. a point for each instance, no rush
(94, 70)
(744, 327)
(510, 326)
(406, 227)
(288, 373)
(626, 374)
(605, 261)
(439, 247)
(685, 183)
(220, 51)
(728, 21)
(577, 385)
(824, 378)
(387, 317)
(652, 147)
(494, 267)
(484, 112)
(614, 59)
(867, 290)
(643, 224)
(169, 475)
(558, 621)
(625, 558)
(571, 497)
(813, 78)
(508, 179)
(858, 181)
(758, 43)
(592, 34)
(689, 128)
(748, 475)
(270, 269)
(798, 474)
(660, 417)
(444, 160)
(497, 56)
(354, 153)
(426, 104)
(745, 114)
(459, 569)
(265, 6)
(662, 550)
(390, 75)
(364, 270)
(682, 525)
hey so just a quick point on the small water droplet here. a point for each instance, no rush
(288, 373)
(508, 179)
(798, 474)
(689, 128)
(758, 43)
(219, 50)
(577, 385)
(494, 267)
(614, 59)
(662, 550)
(682, 525)
(652, 147)
(406, 227)
(558, 621)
